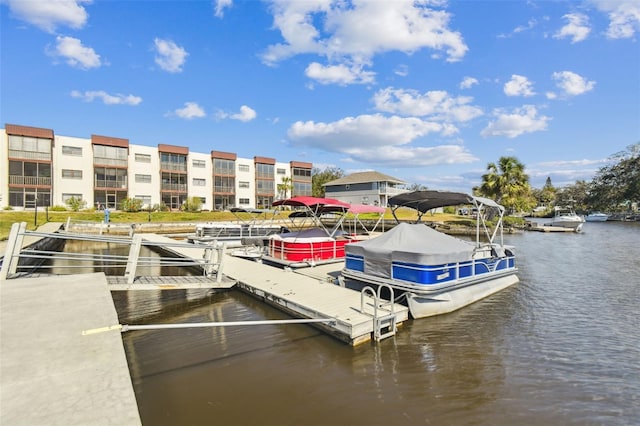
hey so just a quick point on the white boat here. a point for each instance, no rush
(436, 272)
(251, 224)
(597, 217)
(565, 217)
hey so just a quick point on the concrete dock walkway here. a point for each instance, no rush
(50, 373)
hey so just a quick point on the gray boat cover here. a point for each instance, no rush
(410, 243)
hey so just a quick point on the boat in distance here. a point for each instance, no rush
(597, 217)
(565, 217)
(436, 273)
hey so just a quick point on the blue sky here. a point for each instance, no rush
(426, 91)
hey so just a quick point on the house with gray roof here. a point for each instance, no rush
(371, 187)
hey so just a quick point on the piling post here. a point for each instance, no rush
(132, 261)
(222, 251)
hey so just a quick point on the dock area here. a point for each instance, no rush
(534, 226)
(303, 293)
(51, 372)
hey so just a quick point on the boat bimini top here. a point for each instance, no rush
(426, 200)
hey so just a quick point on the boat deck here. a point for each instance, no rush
(306, 293)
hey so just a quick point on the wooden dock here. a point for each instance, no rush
(303, 293)
(534, 226)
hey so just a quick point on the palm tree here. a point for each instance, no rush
(284, 187)
(508, 184)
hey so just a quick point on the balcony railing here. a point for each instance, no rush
(121, 184)
(29, 155)
(29, 180)
(177, 187)
(110, 162)
(224, 188)
(179, 167)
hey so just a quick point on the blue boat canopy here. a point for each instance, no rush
(409, 243)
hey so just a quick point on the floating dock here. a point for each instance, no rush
(51, 372)
(303, 293)
(534, 226)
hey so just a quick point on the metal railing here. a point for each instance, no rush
(211, 262)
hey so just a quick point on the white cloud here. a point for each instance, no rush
(169, 56)
(339, 74)
(572, 84)
(376, 139)
(402, 70)
(245, 114)
(190, 111)
(518, 86)
(437, 105)
(624, 17)
(74, 53)
(48, 15)
(117, 99)
(520, 121)
(468, 82)
(221, 5)
(354, 32)
(577, 27)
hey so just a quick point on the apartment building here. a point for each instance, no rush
(44, 169)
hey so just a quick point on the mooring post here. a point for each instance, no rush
(132, 261)
(222, 250)
(208, 261)
(12, 252)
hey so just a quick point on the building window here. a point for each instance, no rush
(143, 178)
(199, 182)
(72, 150)
(243, 201)
(224, 167)
(143, 158)
(243, 184)
(71, 174)
(199, 163)
(110, 155)
(29, 148)
(264, 170)
(146, 200)
(66, 197)
(244, 168)
(281, 171)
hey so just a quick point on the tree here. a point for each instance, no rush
(548, 193)
(573, 195)
(508, 184)
(319, 178)
(284, 187)
(617, 183)
(417, 187)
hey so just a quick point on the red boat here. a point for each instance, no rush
(317, 244)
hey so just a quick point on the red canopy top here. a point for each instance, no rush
(366, 208)
(310, 202)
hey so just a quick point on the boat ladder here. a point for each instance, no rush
(384, 323)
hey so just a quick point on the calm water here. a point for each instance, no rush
(562, 347)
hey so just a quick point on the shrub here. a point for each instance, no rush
(75, 204)
(131, 205)
(193, 204)
(58, 208)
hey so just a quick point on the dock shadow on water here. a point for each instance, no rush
(560, 347)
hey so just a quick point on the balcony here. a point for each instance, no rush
(110, 162)
(174, 187)
(228, 189)
(29, 180)
(178, 167)
(30, 155)
(119, 184)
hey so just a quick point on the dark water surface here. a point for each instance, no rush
(562, 347)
